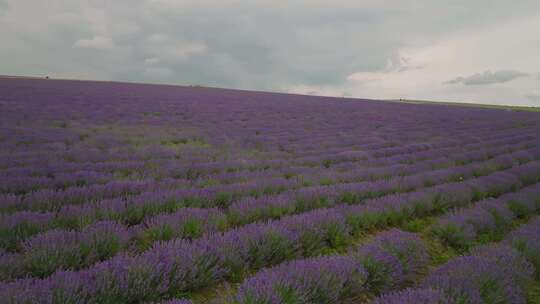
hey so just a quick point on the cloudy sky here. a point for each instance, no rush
(484, 51)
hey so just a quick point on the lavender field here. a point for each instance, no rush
(131, 193)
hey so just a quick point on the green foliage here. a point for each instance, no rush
(534, 293)
(9, 238)
(452, 235)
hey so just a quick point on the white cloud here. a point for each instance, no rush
(97, 42)
(158, 73)
(165, 49)
(510, 49)
(151, 61)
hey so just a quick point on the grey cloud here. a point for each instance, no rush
(97, 42)
(3, 7)
(243, 44)
(533, 97)
(488, 77)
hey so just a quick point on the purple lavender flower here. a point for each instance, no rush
(183, 266)
(319, 230)
(266, 207)
(255, 246)
(53, 250)
(63, 287)
(104, 239)
(24, 184)
(526, 239)
(452, 195)
(499, 210)
(414, 296)
(58, 249)
(317, 280)
(392, 259)
(10, 202)
(16, 227)
(184, 223)
(462, 227)
(522, 270)
(79, 216)
(491, 275)
(314, 197)
(11, 265)
(525, 203)
(123, 279)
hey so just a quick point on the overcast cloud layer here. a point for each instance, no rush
(485, 52)
(488, 77)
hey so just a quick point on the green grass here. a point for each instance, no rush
(534, 293)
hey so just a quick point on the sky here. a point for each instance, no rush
(484, 51)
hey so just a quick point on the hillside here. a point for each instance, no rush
(133, 193)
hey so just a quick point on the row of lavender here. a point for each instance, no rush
(392, 142)
(180, 266)
(391, 261)
(336, 155)
(81, 194)
(248, 119)
(18, 226)
(490, 274)
(70, 249)
(16, 183)
(46, 200)
(48, 167)
(495, 273)
(486, 220)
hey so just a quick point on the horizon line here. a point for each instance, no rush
(397, 100)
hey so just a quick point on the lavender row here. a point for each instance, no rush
(74, 195)
(24, 224)
(304, 199)
(53, 250)
(487, 219)
(151, 203)
(187, 223)
(346, 117)
(491, 274)
(41, 200)
(394, 256)
(511, 140)
(20, 184)
(53, 200)
(347, 174)
(395, 259)
(198, 170)
(24, 184)
(496, 273)
(388, 261)
(205, 261)
(95, 155)
(15, 202)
